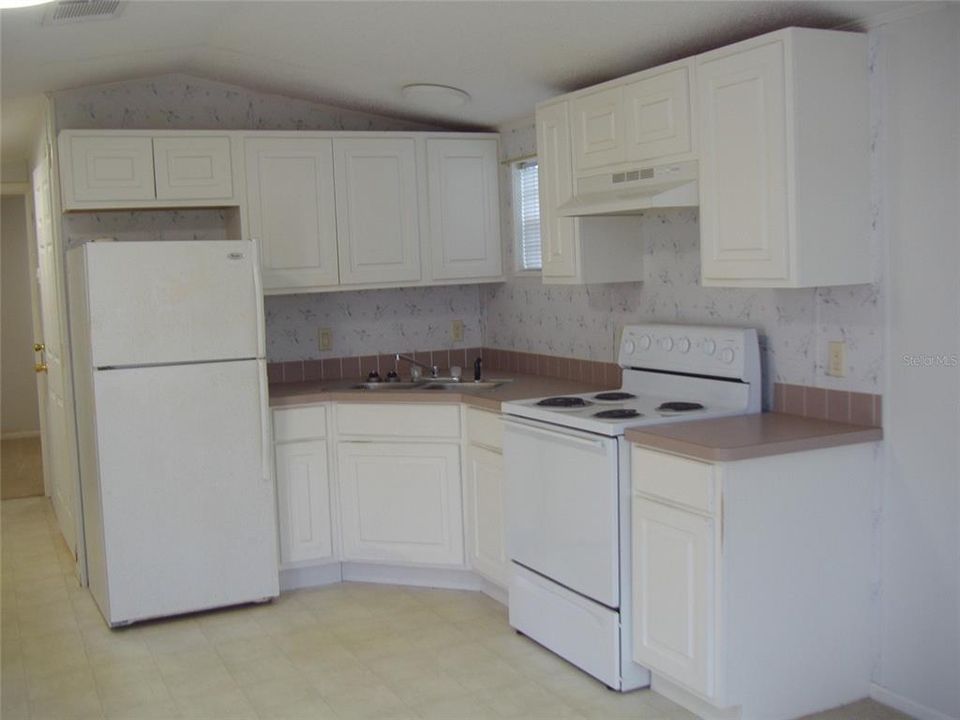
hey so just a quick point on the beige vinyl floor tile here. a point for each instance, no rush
(346, 652)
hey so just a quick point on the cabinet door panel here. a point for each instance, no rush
(401, 502)
(303, 496)
(290, 203)
(484, 512)
(193, 168)
(377, 210)
(558, 234)
(464, 208)
(743, 167)
(105, 168)
(673, 579)
(598, 129)
(658, 115)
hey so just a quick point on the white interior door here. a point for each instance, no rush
(163, 302)
(189, 515)
(56, 412)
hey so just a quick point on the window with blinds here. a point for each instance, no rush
(526, 186)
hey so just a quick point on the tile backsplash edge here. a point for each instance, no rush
(807, 401)
(826, 404)
(495, 361)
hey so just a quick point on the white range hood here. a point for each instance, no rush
(633, 190)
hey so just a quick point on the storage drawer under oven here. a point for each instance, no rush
(562, 506)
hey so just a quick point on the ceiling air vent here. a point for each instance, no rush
(73, 11)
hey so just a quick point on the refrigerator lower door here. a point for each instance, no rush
(153, 303)
(188, 518)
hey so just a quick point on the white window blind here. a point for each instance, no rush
(527, 183)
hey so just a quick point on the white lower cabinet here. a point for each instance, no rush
(401, 502)
(672, 592)
(304, 502)
(751, 580)
(483, 507)
(303, 495)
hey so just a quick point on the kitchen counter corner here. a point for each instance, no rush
(750, 436)
(521, 387)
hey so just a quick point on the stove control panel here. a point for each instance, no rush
(696, 349)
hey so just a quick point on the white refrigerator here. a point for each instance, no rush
(179, 506)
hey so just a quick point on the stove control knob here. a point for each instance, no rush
(629, 347)
(709, 347)
(683, 345)
(727, 355)
(666, 343)
(645, 342)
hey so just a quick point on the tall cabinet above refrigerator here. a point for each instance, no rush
(172, 423)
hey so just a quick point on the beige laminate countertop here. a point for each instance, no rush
(522, 387)
(750, 436)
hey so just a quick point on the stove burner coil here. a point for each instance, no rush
(563, 402)
(680, 406)
(619, 414)
(614, 396)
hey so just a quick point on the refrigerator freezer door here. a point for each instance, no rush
(189, 520)
(153, 303)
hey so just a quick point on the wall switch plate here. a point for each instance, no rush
(837, 358)
(326, 339)
(456, 330)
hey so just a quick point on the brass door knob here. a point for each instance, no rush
(40, 367)
(39, 347)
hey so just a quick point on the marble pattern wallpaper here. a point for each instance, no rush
(582, 321)
(362, 322)
(522, 314)
(371, 322)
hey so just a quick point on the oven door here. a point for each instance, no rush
(562, 506)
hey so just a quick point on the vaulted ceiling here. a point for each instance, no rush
(508, 55)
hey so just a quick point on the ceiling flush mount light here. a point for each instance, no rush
(435, 96)
(11, 4)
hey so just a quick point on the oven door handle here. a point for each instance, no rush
(553, 433)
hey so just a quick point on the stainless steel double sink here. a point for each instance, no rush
(432, 384)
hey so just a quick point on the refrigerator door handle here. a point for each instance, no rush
(266, 441)
(258, 290)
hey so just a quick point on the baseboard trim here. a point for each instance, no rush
(686, 699)
(299, 578)
(494, 591)
(20, 435)
(906, 705)
(451, 579)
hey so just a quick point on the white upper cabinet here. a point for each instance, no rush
(378, 224)
(575, 250)
(143, 169)
(291, 210)
(784, 156)
(599, 133)
(558, 234)
(657, 106)
(96, 169)
(464, 206)
(193, 168)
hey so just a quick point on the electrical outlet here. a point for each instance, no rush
(456, 330)
(837, 360)
(326, 339)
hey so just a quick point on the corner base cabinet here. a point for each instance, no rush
(752, 579)
(401, 502)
